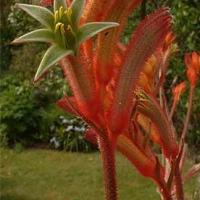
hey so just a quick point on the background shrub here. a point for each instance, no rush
(19, 116)
(29, 116)
(68, 134)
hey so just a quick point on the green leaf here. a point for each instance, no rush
(90, 29)
(77, 9)
(59, 3)
(51, 57)
(41, 14)
(40, 35)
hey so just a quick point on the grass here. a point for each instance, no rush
(49, 175)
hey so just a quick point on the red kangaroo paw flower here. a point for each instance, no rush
(147, 38)
(106, 44)
(192, 61)
(144, 164)
(149, 106)
(145, 122)
(178, 90)
(94, 10)
(80, 82)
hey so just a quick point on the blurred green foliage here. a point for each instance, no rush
(28, 113)
(5, 35)
(19, 118)
(21, 112)
(30, 117)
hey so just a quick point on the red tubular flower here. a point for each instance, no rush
(168, 41)
(46, 3)
(148, 106)
(192, 76)
(178, 90)
(192, 62)
(145, 165)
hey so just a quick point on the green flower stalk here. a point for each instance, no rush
(61, 28)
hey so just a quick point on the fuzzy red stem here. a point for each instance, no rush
(164, 191)
(178, 183)
(109, 173)
(186, 123)
(173, 109)
(177, 177)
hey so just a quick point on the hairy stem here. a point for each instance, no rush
(109, 173)
(177, 172)
(178, 182)
(186, 123)
(164, 191)
(173, 109)
(162, 185)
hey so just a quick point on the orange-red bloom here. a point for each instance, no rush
(178, 90)
(192, 61)
(168, 41)
(46, 3)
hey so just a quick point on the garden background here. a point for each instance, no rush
(30, 118)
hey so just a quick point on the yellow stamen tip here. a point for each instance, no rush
(57, 27)
(56, 16)
(61, 12)
(62, 29)
(69, 28)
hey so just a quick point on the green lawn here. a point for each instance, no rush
(50, 175)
